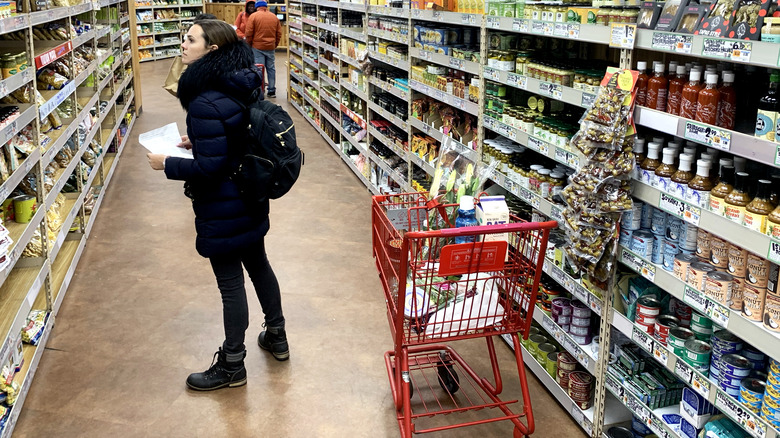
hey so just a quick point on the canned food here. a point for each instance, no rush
(647, 215)
(759, 374)
(671, 249)
(701, 320)
(737, 260)
(566, 361)
(565, 327)
(701, 333)
(657, 256)
(579, 310)
(703, 249)
(730, 389)
(673, 226)
(562, 320)
(664, 323)
(625, 237)
(582, 340)
(632, 219)
(582, 322)
(658, 223)
(688, 236)
(681, 264)
(753, 302)
(561, 306)
(619, 432)
(727, 379)
(648, 306)
(579, 330)
(725, 337)
(697, 272)
(544, 352)
(757, 271)
(642, 243)
(772, 312)
(697, 351)
(735, 300)
(678, 336)
(718, 286)
(647, 320)
(719, 252)
(753, 388)
(734, 365)
(647, 328)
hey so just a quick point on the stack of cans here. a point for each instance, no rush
(724, 343)
(548, 292)
(561, 313)
(647, 311)
(580, 329)
(566, 365)
(757, 358)
(770, 406)
(701, 326)
(681, 311)
(751, 393)
(581, 388)
(697, 355)
(733, 369)
(678, 336)
(663, 324)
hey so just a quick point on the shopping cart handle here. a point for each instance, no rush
(483, 229)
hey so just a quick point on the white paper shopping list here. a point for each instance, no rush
(163, 141)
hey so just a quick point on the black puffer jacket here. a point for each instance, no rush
(208, 91)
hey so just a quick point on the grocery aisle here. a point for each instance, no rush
(143, 311)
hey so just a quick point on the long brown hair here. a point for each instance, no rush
(217, 32)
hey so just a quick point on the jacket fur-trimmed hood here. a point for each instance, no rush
(229, 69)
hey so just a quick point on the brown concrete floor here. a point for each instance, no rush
(143, 312)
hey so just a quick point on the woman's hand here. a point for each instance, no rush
(157, 161)
(185, 143)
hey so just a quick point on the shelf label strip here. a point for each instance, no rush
(708, 135)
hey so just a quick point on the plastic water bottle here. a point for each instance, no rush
(467, 217)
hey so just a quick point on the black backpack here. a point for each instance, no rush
(272, 160)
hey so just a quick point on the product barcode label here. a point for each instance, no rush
(537, 27)
(693, 298)
(493, 22)
(740, 414)
(741, 51)
(683, 371)
(595, 305)
(700, 384)
(718, 313)
(491, 73)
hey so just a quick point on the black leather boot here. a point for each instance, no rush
(226, 370)
(274, 339)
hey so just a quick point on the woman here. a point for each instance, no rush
(220, 73)
(242, 17)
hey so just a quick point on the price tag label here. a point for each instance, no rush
(642, 267)
(425, 55)
(692, 214)
(561, 30)
(577, 414)
(491, 73)
(587, 100)
(535, 144)
(700, 384)
(622, 35)
(436, 15)
(716, 48)
(694, 298)
(549, 28)
(535, 202)
(774, 251)
(561, 155)
(642, 339)
(493, 22)
(517, 81)
(556, 91)
(671, 205)
(520, 25)
(549, 325)
(10, 130)
(506, 131)
(661, 354)
(683, 371)
(574, 31)
(556, 214)
(456, 63)
(709, 135)
(556, 273)
(545, 88)
(544, 148)
(537, 27)
(741, 50)
(740, 414)
(465, 19)
(572, 160)
(718, 313)
(595, 305)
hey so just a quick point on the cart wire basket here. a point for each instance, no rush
(443, 283)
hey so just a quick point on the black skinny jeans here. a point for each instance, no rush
(230, 280)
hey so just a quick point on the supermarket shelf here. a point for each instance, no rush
(353, 34)
(21, 234)
(64, 133)
(71, 208)
(422, 163)
(311, 61)
(311, 82)
(446, 60)
(294, 37)
(386, 86)
(392, 118)
(361, 148)
(397, 177)
(354, 90)
(395, 62)
(544, 206)
(295, 25)
(329, 141)
(83, 38)
(326, 80)
(591, 33)
(328, 98)
(14, 23)
(50, 51)
(55, 98)
(9, 85)
(447, 17)
(41, 17)
(330, 27)
(582, 353)
(310, 21)
(330, 119)
(554, 91)
(312, 101)
(436, 134)
(753, 241)
(19, 174)
(651, 418)
(721, 315)
(694, 379)
(744, 145)
(388, 35)
(168, 20)
(388, 11)
(357, 173)
(27, 115)
(350, 6)
(63, 269)
(296, 63)
(574, 286)
(329, 48)
(297, 88)
(328, 3)
(386, 141)
(331, 66)
(310, 41)
(173, 43)
(562, 155)
(297, 52)
(349, 60)
(456, 102)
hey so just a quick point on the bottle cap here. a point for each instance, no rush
(725, 162)
(669, 154)
(659, 140)
(691, 150)
(712, 78)
(695, 75)
(680, 70)
(557, 175)
(659, 68)
(544, 171)
(703, 167)
(639, 145)
(739, 164)
(466, 202)
(641, 65)
(685, 162)
(672, 66)
(728, 77)
(536, 167)
(652, 150)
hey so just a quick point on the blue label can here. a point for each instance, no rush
(647, 215)
(658, 249)
(688, 235)
(670, 252)
(673, 227)
(625, 237)
(642, 243)
(658, 224)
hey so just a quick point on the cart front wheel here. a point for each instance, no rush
(448, 378)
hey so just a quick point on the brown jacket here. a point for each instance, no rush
(263, 30)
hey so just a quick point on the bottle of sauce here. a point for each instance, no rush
(656, 89)
(650, 163)
(641, 83)
(727, 106)
(773, 223)
(639, 154)
(699, 186)
(738, 199)
(719, 193)
(739, 164)
(722, 162)
(664, 172)
(774, 198)
(676, 85)
(707, 102)
(767, 110)
(681, 178)
(690, 95)
(758, 209)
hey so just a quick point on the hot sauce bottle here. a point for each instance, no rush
(676, 85)
(657, 89)
(641, 83)
(727, 106)
(690, 96)
(707, 102)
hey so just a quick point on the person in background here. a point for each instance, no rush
(264, 31)
(219, 82)
(243, 17)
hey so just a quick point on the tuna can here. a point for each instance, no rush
(719, 252)
(582, 322)
(642, 319)
(727, 379)
(580, 381)
(646, 327)
(657, 256)
(730, 389)
(701, 333)
(566, 361)
(582, 340)
(562, 320)
(771, 392)
(734, 365)
(751, 390)
(727, 340)
(671, 249)
(718, 286)
(697, 352)
(753, 302)
(579, 310)
(688, 236)
(681, 264)
(757, 271)
(632, 219)
(664, 323)
(619, 432)
(759, 374)
(703, 249)
(772, 312)
(678, 336)
(700, 320)
(697, 272)
(552, 364)
(647, 216)
(658, 223)
(735, 300)
(561, 306)
(774, 366)
(673, 226)
(737, 260)
(714, 372)
(579, 330)
(642, 243)
(648, 306)
(625, 237)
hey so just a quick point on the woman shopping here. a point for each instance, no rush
(220, 74)
(242, 17)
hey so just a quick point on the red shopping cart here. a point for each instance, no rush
(438, 290)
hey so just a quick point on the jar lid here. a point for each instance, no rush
(556, 175)
(536, 167)
(544, 171)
